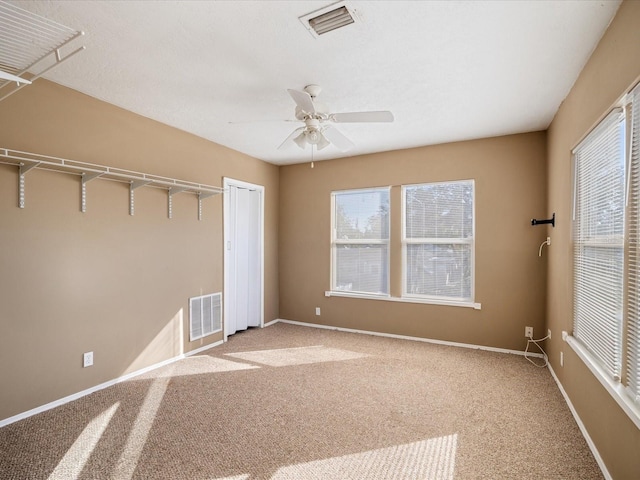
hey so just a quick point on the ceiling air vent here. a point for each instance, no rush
(328, 19)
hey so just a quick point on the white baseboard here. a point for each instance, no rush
(101, 386)
(406, 337)
(582, 428)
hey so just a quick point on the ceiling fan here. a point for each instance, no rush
(317, 118)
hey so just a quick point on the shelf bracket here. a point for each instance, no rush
(172, 192)
(86, 178)
(202, 196)
(24, 168)
(132, 186)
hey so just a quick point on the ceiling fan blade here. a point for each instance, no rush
(267, 120)
(303, 101)
(12, 78)
(294, 134)
(337, 139)
(353, 117)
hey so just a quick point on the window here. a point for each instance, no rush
(438, 245)
(598, 234)
(606, 236)
(633, 261)
(360, 241)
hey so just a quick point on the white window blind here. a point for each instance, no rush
(633, 216)
(599, 211)
(438, 240)
(360, 243)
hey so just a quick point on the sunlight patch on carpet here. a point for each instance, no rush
(71, 465)
(140, 430)
(199, 365)
(432, 459)
(285, 357)
(235, 477)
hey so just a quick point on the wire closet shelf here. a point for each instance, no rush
(30, 44)
(26, 161)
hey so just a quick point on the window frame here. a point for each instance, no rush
(438, 299)
(620, 387)
(336, 242)
(612, 359)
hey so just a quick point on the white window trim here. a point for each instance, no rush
(405, 299)
(615, 388)
(335, 241)
(430, 299)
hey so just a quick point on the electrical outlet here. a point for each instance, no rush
(528, 332)
(87, 359)
(318, 311)
(549, 333)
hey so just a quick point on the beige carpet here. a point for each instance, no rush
(292, 403)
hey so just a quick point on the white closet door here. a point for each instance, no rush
(230, 318)
(253, 257)
(242, 257)
(244, 260)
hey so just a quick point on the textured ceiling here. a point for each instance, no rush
(448, 70)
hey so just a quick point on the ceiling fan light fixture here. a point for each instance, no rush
(301, 140)
(322, 143)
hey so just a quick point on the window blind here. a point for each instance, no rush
(360, 247)
(633, 217)
(599, 241)
(438, 240)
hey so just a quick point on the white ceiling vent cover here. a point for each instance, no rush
(205, 315)
(328, 19)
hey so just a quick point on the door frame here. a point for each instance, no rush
(227, 182)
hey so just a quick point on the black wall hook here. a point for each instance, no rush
(551, 220)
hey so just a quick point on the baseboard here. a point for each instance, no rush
(406, 337)
(101, 386)
(583, 429)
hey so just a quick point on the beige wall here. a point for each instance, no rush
(612, 69)
(105, 281)
(510, 181)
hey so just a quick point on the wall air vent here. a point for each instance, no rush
(205, 315)
(328, 19)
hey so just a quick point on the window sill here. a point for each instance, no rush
(615, 389)
(388, 298)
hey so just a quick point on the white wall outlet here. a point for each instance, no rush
(549, 333)
(528, 332)
(87, 359)
(318, 311)
(564, 335)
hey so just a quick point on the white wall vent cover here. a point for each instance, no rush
(327, 19)
(205, 315)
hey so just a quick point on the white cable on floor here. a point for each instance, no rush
(526, 350)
